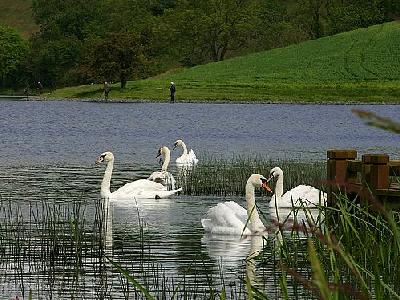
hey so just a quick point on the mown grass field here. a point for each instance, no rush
(18, 14)
(358, 66)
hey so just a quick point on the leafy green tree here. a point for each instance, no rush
(13, 50)
(276, 27)
(72, 18)
(64, 28)
(51, 61)
(117, 57)
(208, 30)
(348, 15)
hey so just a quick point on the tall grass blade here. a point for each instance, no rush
(131, 279)
(319, 278)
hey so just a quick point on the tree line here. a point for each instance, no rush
(92, 41)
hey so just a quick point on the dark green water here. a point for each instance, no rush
(51, 241)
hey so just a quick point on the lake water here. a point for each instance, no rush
(68, 132)
(48, 176)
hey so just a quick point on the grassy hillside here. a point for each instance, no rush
(18, 14)
(361, 65)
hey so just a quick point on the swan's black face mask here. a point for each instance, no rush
(100, 159)
(161, 161)
(158, 153)
(271, 177)
(175, 145)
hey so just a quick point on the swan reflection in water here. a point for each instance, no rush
(107, 209)
(232, 251)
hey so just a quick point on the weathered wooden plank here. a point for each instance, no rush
(375, 172)
(341, 154)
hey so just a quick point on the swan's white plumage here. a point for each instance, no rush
(302, 195)
(164, 177)
(141, 188)
(229, 218)
(188, 158)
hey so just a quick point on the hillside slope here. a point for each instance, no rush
(18, 14)
(363, 54)
(361, 65)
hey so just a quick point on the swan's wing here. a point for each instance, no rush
(309, 195)
(141, 185)
(158, 175)
(146, 194)
(165, 178)
(192, 157)
(182, 160)
(237, 210)
(187, 159)
(225, 218)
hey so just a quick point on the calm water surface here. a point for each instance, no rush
(75, 132)
(48, 152)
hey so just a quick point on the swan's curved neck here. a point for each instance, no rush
(185, 151)
(278, 190)
(166, 158)
(105, 184)
(252, 212)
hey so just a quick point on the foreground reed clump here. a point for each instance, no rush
(227, 177)
(353, 254)
(48, 247)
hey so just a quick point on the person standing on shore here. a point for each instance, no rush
(40, 87)
(106, 90)
(172, 90)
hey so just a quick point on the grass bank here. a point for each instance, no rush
(357, 66)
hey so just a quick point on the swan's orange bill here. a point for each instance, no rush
(266, 187)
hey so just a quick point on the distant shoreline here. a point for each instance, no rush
(119, 100)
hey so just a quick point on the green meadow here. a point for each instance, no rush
(357, 66)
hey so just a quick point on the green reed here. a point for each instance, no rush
(46, 237)
(56, 239)
(226, 177)
(352, 254)
(147, 279)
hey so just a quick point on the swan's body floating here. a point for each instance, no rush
(187, 158)
(229, 218)
(141, 188)
(164, 177)
(302, 195)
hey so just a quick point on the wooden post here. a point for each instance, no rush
(375, 171)
(337, 169)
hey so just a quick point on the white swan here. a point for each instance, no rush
(164, 177)
(141, 188)
(187, 158)
(302, 195)
(229, 218)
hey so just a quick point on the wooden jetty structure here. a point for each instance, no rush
(374, 174)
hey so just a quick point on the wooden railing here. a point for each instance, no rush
(374, 174)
